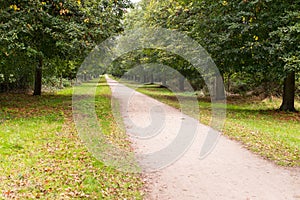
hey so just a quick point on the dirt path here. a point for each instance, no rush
(229, 172)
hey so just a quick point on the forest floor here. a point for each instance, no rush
(42, 156)
(230, 171)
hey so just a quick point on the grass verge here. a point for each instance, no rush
(256, 124)
(41, 155)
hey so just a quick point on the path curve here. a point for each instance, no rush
(229, 172)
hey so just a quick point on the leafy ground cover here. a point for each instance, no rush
(41, 155)
(255, 123)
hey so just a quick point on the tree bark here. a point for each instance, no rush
(218, 89)
(181, 83)
(228, 82)
(151, 78)
(164, 81)
(288, 98)
(6, 82)
(38, 78)
(61, 82)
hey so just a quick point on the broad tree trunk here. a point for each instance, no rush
(38, 78)
(218, 92)
(220, 88)
(288, 93)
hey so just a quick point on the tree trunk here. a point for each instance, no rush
(220, 88)
(6, 82)
(218, 92)
(228, 82)
(61, 82)
(289, 93)
(151, 78)
(164, 81)
(38, 78)
(181, 83)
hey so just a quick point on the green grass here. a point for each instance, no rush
(256, 124)
(41, 155)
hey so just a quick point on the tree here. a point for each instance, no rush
(44, 30)
(152, 13)
(286, 40)
(255, 38)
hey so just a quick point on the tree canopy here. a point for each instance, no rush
(256, 42)
(35, 33)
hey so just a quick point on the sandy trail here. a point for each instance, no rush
(229, 172)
